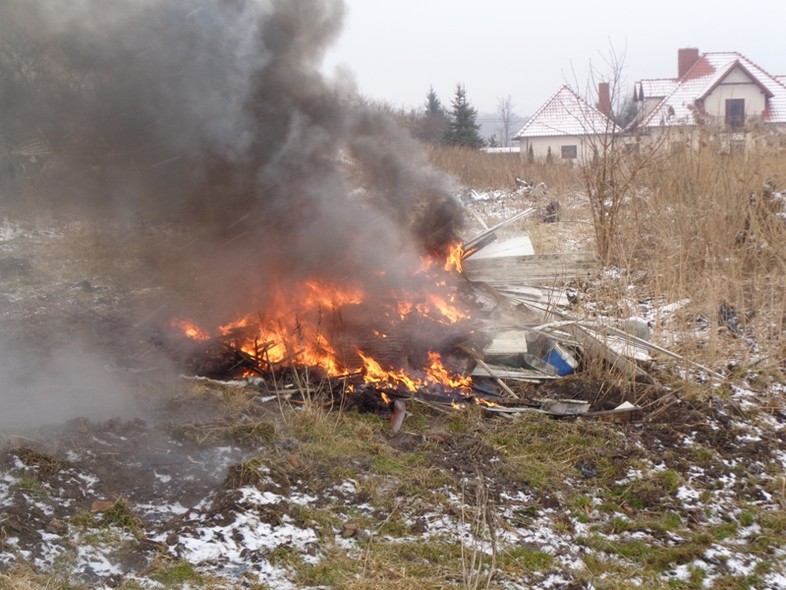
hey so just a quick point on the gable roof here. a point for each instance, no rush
(680, 104)
(566, 113)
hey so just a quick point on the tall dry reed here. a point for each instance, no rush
(483, 171)
(711, 227)
(698, 226)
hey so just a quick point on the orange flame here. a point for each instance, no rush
(437, 373)
(292, 328)
(298, 324)
(374, 373)
(189, 329)
(454, 257)
(448, 311)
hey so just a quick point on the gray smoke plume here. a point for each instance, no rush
(214, 114)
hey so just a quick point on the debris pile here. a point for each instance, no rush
(509, 325)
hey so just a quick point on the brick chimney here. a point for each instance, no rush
(604, 98)
(686, 57)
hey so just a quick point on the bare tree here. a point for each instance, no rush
(615, 161)
(505, 112)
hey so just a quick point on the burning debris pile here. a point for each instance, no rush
(456, 340)
(408, 342)
(488, 316)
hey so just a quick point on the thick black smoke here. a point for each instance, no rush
(208, 120)
(214, 114)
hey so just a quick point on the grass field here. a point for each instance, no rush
(692, 496)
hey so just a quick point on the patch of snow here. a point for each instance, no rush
(747, 533)
(10, 230)
(347, 488)
(162, 477)
(255, 496)
(775, 581)
(732, 561)
(630, 476)
(749, 438)
(555, 580)
(245, 545)
(780, 456)
(90, 558)
(687, 495)
(160, 512)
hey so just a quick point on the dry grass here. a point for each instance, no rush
(484, 171)
(704, 227)
(699, 225)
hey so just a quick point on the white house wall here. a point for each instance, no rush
(648, 105)
(735, 85)
(541, 145)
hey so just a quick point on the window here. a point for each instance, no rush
(735, 112)
(569, 151)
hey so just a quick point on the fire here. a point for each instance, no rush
(331, 296)
(437, 373)
(434, 374)
(374, 373)
(189, 329)
(317, 323)
(292, 327)
(454, 257)
(447, 310)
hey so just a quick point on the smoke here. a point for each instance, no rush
(213, 115)
(52, 387)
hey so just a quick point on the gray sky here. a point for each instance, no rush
(397, 48)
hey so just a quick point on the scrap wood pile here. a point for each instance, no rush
(521, 332)
(533, 337)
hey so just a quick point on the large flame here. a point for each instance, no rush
(297, 327)
(434, 374)
(292, 328)
(454, 257)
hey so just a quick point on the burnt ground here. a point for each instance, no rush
(135, 477)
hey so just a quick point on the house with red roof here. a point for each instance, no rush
(566, 128)
(720, 95)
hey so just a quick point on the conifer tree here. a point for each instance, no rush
(432, 126)
(434, 106)
(463, 129)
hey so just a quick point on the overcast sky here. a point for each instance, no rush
(496, 48)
